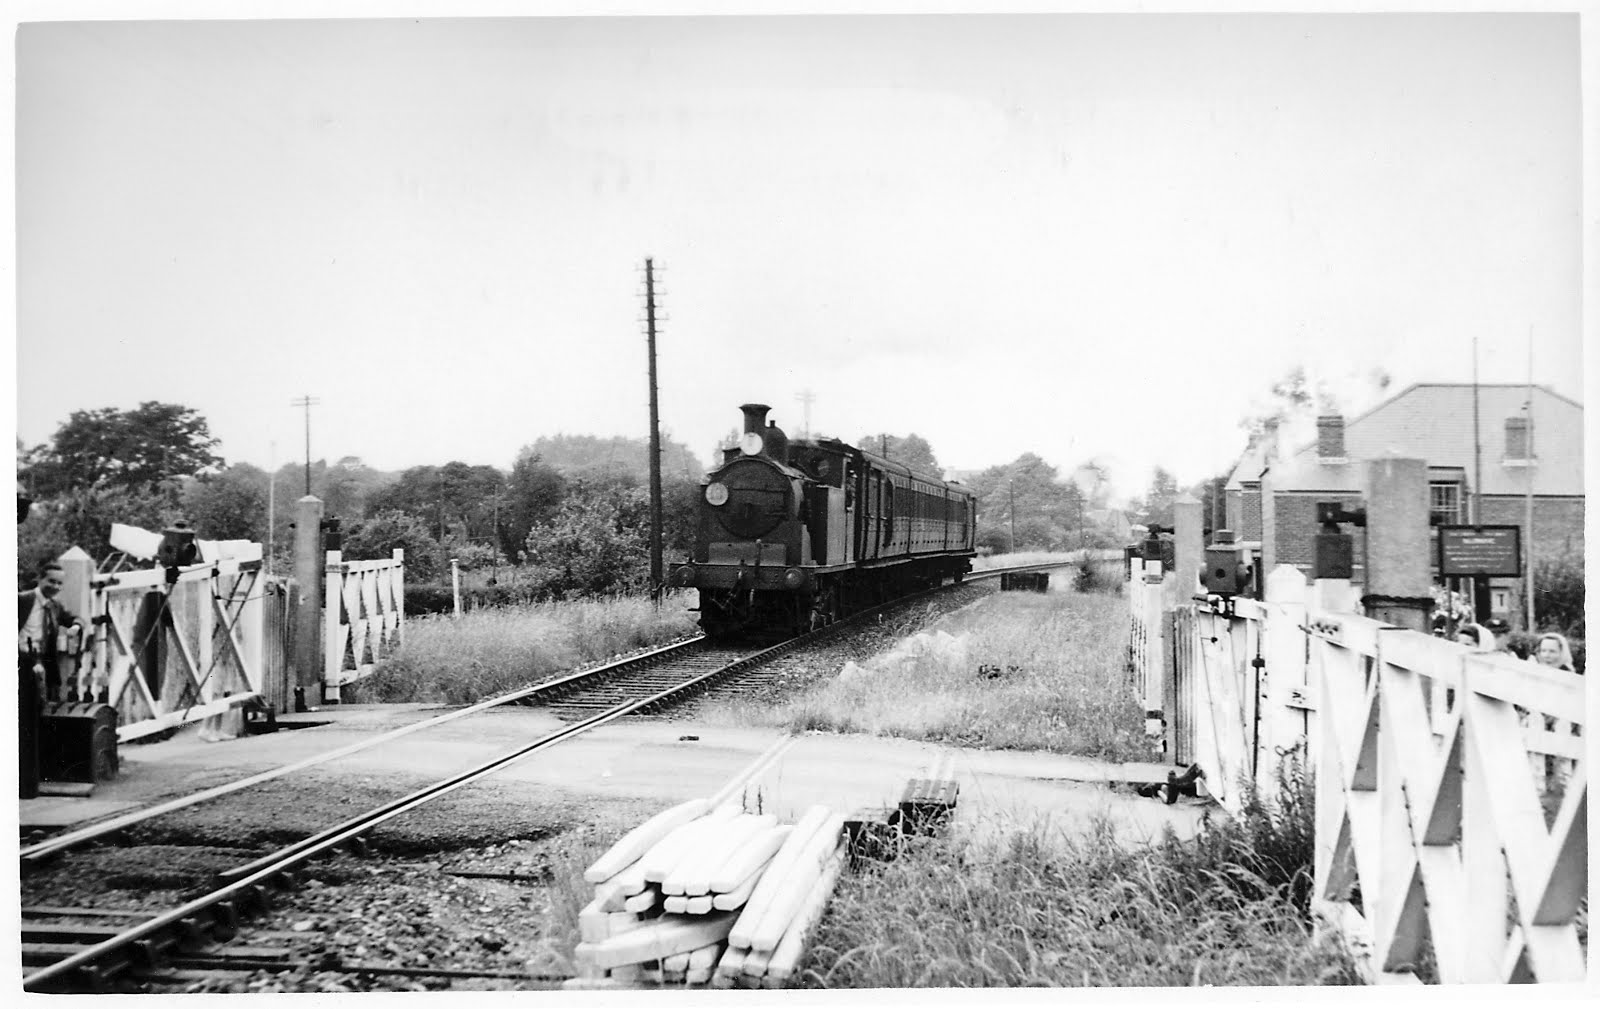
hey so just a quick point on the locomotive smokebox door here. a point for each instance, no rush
(78, 742)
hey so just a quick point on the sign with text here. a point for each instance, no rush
(1466, 551)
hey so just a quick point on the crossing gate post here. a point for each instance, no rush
(308, 573)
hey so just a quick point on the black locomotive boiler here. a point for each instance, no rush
(792, 535)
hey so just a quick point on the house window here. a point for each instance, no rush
(1444, 502)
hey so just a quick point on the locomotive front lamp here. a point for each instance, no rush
(716, 494)
(751, 443)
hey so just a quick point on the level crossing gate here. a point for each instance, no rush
(364, 617)
(1451, 786)
(166, 651)
(166, 647)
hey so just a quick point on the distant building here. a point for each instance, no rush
(1433, 422)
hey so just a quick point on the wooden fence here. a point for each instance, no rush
(1430, 761)
(364, 617)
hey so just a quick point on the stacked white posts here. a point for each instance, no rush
(708, 894)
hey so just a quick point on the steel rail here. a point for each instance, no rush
(293, 855)
(71, 839)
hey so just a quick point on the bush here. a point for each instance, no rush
(377, 536)
(597, 544)
(471, 556)
(1097, 576)
(1558, 595)
(993, 540)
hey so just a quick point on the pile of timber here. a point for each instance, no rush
(703, 894)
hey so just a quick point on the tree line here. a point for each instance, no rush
(569, 517)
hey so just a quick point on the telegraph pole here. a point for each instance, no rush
(806, 397)
(1481, 600)
(1527, 522)
(655, 434)
(307, 402)
(272, 499)
(1011, 490)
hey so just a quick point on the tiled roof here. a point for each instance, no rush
(1248, 467)
(1434, 422)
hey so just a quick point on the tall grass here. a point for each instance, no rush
(491, 651)
(1043, 906)
(1061, 685)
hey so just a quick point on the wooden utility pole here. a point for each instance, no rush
(806, 397)
(1527, 521)
(655, 434)
(307, 402)
(1011, 492)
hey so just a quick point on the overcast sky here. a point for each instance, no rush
(1076, 235)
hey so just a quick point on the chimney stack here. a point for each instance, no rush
(755, 417)
(1330, 436)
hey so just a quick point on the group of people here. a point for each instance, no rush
(1551, 649)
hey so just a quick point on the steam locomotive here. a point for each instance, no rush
(792, 535)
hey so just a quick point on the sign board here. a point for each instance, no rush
(1467, 551)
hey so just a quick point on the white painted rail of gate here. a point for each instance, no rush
(207, 631)
(1428, 803)
(1434, 765)
(364, 617)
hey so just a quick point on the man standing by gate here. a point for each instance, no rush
(40, 618)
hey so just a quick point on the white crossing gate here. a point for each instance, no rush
(364, 617)
(168, 650)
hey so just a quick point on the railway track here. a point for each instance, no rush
(91, 946)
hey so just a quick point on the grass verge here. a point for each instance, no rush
(491, 651)
(1038, 672)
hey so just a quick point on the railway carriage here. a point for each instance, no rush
(792, 535)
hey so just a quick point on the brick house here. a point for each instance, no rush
(1434, 422)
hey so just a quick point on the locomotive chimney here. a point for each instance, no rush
(755, 417)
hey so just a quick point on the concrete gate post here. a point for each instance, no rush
(308, 574)
(77, 569)
(1399, 569)
(1188, 546)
